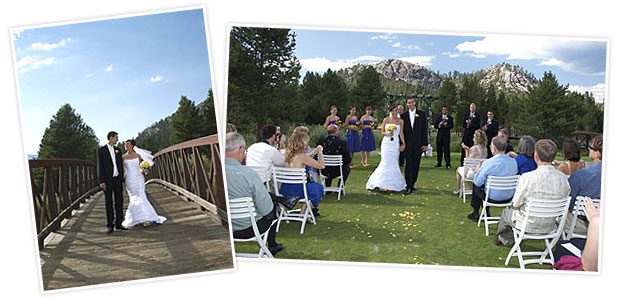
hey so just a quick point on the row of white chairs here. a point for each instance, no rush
(242, 208)
(535, 208)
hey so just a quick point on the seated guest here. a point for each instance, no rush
(572, 154)
(244, 182)
(544, 183)
(504, 133)
(229, 127)
(524, 157)
(296, 157)
(478, 150)
(586, 182)
(498, 165)
(333, 145)
(264, 153)
(566, 260)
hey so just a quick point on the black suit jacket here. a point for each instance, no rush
(491, 129)
(416, 135)
(444, 130)
(333, 145)
(105, 164)
(470, 130)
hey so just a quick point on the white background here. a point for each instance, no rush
(19, 267)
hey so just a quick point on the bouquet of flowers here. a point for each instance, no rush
(391, 128)
(145, 166)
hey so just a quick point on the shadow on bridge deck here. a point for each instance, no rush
(81, 253)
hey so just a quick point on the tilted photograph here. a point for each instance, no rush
(120, 134)
(463, 150)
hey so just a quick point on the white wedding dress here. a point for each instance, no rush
(139, 208)
(387, 175)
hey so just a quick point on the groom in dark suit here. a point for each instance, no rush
(110, 166)
(416, 141)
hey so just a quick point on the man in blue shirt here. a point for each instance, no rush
(499, 165)
(243, 181)
(586, 182)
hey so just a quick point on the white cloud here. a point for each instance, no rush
(49, 47)
(321, 64)
(89, 75)
(109, 68)
(156, 78)
(29, 63)
(451, 55)
(387, 36)
(396, 45)
(570, 55)
(16, 33)
(597, 90)
(419, 60)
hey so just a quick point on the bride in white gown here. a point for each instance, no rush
(387, 175)
(139, 208)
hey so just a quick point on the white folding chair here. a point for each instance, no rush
(283, 175)
(243, 208)
(265, 174)
(579, 203)
(470, 166)
(501, 183)
(539, 208)
(334, 161)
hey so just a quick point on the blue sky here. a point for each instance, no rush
(579, 63)
(119, 74)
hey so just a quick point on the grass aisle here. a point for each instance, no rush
(428, 227)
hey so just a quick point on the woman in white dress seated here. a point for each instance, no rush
(139, 208)
(479, 150)
(387, 175)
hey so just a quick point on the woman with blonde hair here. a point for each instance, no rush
(478, 150)
(296, 157)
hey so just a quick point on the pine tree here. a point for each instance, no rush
(310, 93)
(263, 80)
(186, 122)
(470, 91)
(68, 136)
(207, 112)
(367, 90)
(334, 91)
(447, 95)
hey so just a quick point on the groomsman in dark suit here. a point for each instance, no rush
(472, 122)
(416, 141)
(444, 123)
(110, 166)
(491, 130)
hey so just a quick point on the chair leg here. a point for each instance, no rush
(511, 252)
(279, 219)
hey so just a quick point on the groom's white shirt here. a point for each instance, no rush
(412, 114)
(111, 150)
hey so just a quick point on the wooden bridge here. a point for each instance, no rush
(185, 185)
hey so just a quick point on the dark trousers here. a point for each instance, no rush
(114, 208)
(478, 195)
(412, 165)
(263, 224)
(401, 157)
(443, 145)
(561, 251)
(345, 174)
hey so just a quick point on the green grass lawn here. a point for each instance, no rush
(428, 227)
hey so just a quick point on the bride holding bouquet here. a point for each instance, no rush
(387, 175)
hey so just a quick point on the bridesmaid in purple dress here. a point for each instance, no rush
(333, 118)
(368, 138)
(352, 132)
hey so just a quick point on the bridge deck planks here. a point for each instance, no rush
(81, 253)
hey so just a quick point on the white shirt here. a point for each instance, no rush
(264, 155)
(412, 114)
(111, 150)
